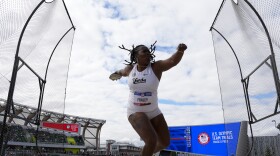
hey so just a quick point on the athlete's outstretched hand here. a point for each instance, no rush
(182, 47)
(115, 76)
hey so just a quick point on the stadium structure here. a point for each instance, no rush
(84, 138)
(34, 49)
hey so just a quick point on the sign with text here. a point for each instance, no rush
(69, 127)
(216, 139)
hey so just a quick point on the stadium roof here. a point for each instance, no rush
(26, 116)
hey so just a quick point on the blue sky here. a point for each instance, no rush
(188, 93)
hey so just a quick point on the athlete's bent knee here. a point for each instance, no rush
(164, 143)
(151, 143)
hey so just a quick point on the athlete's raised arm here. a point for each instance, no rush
(164, 65)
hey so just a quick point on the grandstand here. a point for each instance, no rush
(22, 131)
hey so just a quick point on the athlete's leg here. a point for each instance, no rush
(142, 125)
(161, 128)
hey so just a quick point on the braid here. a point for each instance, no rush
(133, 52)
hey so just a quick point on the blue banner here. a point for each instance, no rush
(218, 139)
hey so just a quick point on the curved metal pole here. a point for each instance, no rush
(42, 83)
(13, 81)
(273, 62)
(243, 84)
(46, 73)
(241, 75)
(232, 51)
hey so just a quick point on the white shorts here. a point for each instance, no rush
(150, 115)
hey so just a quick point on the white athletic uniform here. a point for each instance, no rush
(143, 92)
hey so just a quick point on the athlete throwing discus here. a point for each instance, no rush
(144, 74)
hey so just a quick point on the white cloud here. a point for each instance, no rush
(96, 54)
(101, 26)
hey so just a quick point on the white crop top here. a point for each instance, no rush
(143, 90)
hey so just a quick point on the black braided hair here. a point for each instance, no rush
(133, 52)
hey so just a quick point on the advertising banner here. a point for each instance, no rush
(69, 127)
(218, 139)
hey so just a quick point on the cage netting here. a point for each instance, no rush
(45, 47)
(247, 48)
(35, 43)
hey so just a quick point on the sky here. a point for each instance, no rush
(188, 93)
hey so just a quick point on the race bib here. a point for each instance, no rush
(142, 98)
